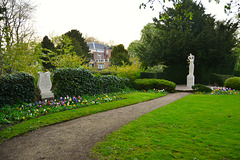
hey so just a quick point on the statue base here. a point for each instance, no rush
(47, 95)
(190, 81)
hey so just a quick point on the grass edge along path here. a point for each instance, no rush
(33, 124)
(194, 127)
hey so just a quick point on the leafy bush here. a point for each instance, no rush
(107, 84)
(131, 72)
(201, 88)
(16, 87)
(233, 83)
(146, 84)
(219, 79)
(79, 81)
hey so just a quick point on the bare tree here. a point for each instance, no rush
(15, 25)
(88, 38)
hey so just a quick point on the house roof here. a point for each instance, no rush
(96, 46)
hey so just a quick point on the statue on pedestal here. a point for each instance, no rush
(190, 77)
(191, 65)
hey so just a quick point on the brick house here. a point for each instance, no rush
(100, 55)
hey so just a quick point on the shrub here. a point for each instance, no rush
(131, 72)
(79, 81)
(201, 88)
(16, 87)
(219, 79)
(107, 84)
(73, 81)
(233, 83)
(146, 84)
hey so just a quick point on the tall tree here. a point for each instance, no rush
(48, 47)
(119, 56)
(229, 4)
(169, 41)
(15, 26)
(80, 46)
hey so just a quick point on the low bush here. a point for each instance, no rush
(15, 88)
(146, 84)
(201, 88)
(219, 79)
(233, 83)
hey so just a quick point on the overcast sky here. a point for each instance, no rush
(117, 20)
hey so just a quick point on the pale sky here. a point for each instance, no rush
(117, 20)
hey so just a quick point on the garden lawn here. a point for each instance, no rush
(194, 127)
(32, 124)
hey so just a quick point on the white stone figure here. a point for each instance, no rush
(190, 77)
(45, 85)
(191, 65)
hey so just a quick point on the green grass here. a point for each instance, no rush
(32, 124)
(194, 127)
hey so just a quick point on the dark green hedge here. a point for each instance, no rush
(237, 73)
(149, 75)
(16, 87)
(78, 81)
(219, 79)
(146, 84)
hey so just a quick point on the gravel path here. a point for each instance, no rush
(72, 140)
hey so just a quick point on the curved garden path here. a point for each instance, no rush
(72, 140)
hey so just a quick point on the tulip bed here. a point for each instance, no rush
(220, 91)
(129, 97)
(16, 113)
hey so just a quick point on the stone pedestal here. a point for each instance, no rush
(190, 81)
(45, 85)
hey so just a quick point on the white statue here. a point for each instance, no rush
(191, 65)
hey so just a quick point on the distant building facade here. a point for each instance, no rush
(101, 55)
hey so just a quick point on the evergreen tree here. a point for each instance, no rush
(80, 46)
(188, 29)
(119, 55)
(47, 46)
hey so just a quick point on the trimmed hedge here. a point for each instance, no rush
(79, 81)
(150, 75)
(233, 83)
(16, 87)
(219, 79)
(201, 88)
(146, 84)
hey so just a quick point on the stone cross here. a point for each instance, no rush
(45, 85)
(190, 77)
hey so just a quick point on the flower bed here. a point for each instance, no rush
(16, 113)
(220, 91)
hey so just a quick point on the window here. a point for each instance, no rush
(101, 66)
